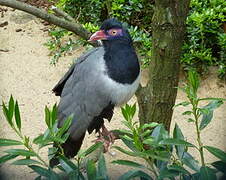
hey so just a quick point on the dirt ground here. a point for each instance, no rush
(26, 73)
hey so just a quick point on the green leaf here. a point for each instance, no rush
(128, 143)
(65, 126)
(185, 103)
(189, 161)
(177, 134)
(207, 173)
(93, 148)
(135, 173)
(128, 163)
(6, 113)
(220, 165)
(25, 162)
(149, 125)
(171, 141)
(91, 170)
(130, 153)
(159, 133)
(9, 142)
(217, 152)
(67, 165)
(166, 173)
(54, 114)
(40, 170)
(7, 157)
(47, 117)
(207, 117)
(187, 113)
(11, 107)
(17, 116)
(21, 152)
(125, 114)
(178, 168)
(102, 169)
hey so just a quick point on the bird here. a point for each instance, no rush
(100, 80)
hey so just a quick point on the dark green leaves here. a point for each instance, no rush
(7, 157)
(50, 116)
(25, 162)
(128, 163)
(207, 113)
(9, 142)
(217, 152)
(135, 173)
(21, 152)
(13, 109)
(128, 111)
(17, 116)
(172, 141)
(207, 173)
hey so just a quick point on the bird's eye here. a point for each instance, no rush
(113, 32)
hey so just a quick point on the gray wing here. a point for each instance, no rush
(60, 85)
(83, 95)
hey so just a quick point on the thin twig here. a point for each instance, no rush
(62, 13)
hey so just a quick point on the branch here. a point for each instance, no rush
(76, 28)
(62, 13)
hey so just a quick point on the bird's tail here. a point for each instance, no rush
(70, 148)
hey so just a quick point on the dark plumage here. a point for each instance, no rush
(101, 79)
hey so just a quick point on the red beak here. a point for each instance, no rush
(99, 35)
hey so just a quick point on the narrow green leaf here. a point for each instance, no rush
(65, 126)
(93, 148)
(11, 107)
(21, 152)
(133, 110)
(6, 113)
(67, 165)
(220, 165)
(190, 162)
(17, 116)
(217, 152)
(128, 143)
(187, 113)
(207, 173)
(207, 117)
(178, 168)
(91, 170)
(149, 125)
(25, 162)
(47, 117)
(125, 114)
(159, 133)
(54, 114)
(128, 163)
(185, 103)
(171, 141)
(177, 134)
(40, 170)
(166, 173)
(135, 173)
(7, 157)
(9, 142)
(102, 169)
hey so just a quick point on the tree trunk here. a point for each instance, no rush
(157, 99)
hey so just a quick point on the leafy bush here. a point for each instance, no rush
(164, 156)
(205, 39)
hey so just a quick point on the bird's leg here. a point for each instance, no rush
(105, 136)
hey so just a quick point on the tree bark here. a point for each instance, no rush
(157, 99)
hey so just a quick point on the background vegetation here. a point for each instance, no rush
(205, 41)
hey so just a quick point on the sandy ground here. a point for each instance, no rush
(26, 73)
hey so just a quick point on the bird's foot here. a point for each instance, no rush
(106, 137)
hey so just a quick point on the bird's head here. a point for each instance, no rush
(110, 30)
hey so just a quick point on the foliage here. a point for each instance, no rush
(204, 41)
(205, 38)
(27, 155)
(169, 157)
(163, 156)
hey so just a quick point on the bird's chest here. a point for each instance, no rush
(118, 93)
